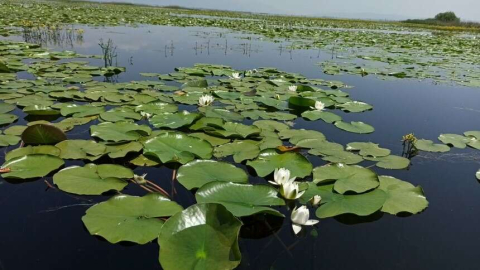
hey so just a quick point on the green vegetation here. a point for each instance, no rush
(446, 20)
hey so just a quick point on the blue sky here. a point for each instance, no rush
(375, 9)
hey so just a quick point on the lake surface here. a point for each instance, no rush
(40, 228)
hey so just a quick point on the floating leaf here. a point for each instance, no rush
(122, 149)
(30, 150)
(92, 179)
(43, 134)
(6, 118)
(174, 120)
(429, 146)
(241, 150)
(270, 159)
(391, 162)
(81, 149)
(129, 218)
(200, 172)
(6, 140)
(119, 131)
(241, 199)
(31, 166)
(328, 117)
(355, 127)
(347, 178)
(368, 149)
(234, 130)
(454, 140)
(203, 236)
(334, 204)
(402, 196)
(177, 147)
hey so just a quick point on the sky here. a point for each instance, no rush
(468, 10)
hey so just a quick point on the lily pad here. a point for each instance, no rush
(92, 179)
(355, 127)
(391, 162)
(429, 146)
(43, 134)
(31, 166)
(203, 236)
(368, 149)
(119, 131)
(6, 140)
(174, 120)
(270, 159)
(234, 130)
(6, 118)
(177, 147)
(347, 178)
(122, 149)
(241, 199)
(241, 150)
(454, 140)
(30, 150)
(402, 196)
(81, 149)
(327, 117)
(129, 218)
(200, 172)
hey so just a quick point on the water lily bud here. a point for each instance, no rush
(290, 191)
(281, 176)
(315, 201)
(300, 217)
(140, 179)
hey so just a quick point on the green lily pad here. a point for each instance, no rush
(241, 150)
(224, 114)
(6, 140)
(203, 236)
(174, 120)
(120, 150)
(270, 125)
(334, 204)
(156, 108)
(270, 159)
(30, 150)
(40, 110)
(6, 118)
(214, 141)
(43, 134)
(402, 196)
(454, 140)
(119, 131)
(234, 130)
(296, 135)
(368, 149)
(81, 149)
(429, 146)
(200, 172)
(5, 108)
(391, 162)
(241, 199)
(355, 127)
(177, 147)
(129, 218)
(327, 117)
(343, 157)
(92, 179)
(31, 166)
(355, 106)
(347, 178)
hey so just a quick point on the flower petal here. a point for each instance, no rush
(311, 222)
(296, 228)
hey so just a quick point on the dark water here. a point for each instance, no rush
(41, 228)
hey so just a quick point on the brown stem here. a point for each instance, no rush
(161, 190)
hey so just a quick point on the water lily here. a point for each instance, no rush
(290, 191)
(300, 217)
(146, 115)
(292, 88)
(205, 100)
(315, 201)
(319, 106)
(281, 177)
(140, 179)
(236, 76)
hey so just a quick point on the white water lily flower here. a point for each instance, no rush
(278, 81)
(146, 115)
(235, 75)
(139, 179)
(281, 177)
(300, 217)
(316, 200)
(205, 100)
(319, 106)
(292, 88)
(290, 191)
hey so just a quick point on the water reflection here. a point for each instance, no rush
(66, 37)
